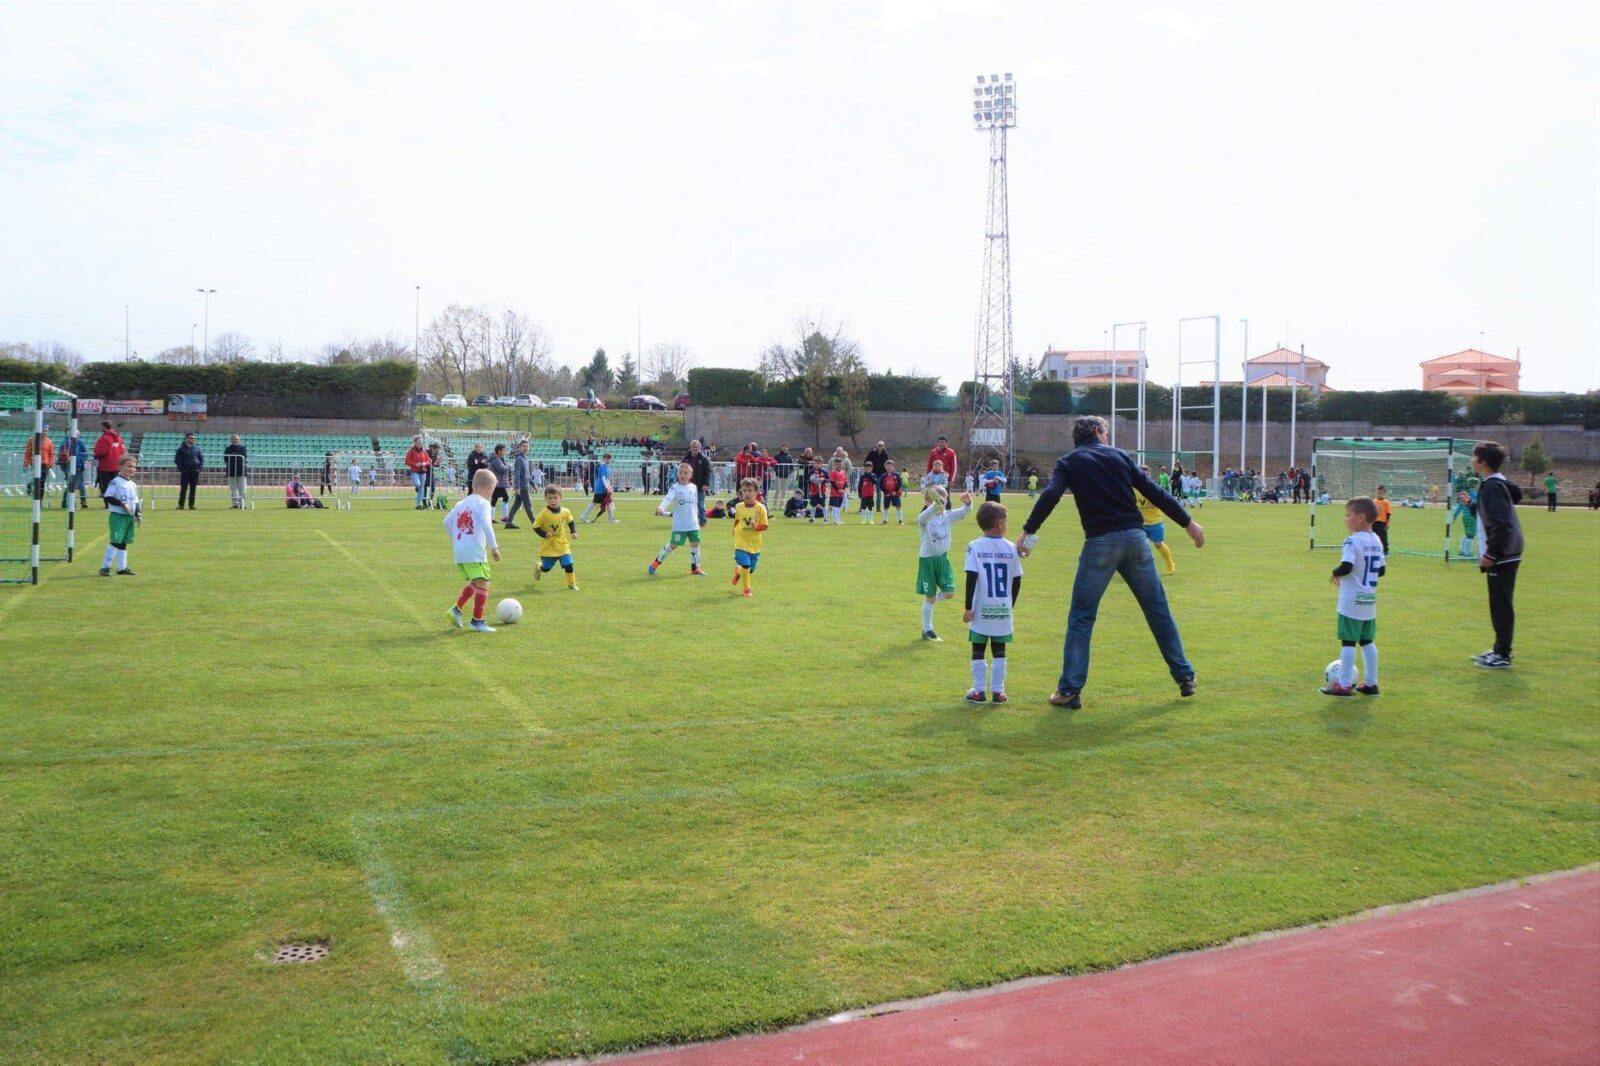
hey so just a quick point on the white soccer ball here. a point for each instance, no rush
(509, 611)
(1331, 674)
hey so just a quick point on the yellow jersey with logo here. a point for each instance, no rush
(749, 523)
(1148, 512)
(554, 525)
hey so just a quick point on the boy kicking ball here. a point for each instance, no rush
(749, 523)
(1360, 565)
(994, 581)
(556, 531)
(470, 525)
(125, 514)
(935, 579)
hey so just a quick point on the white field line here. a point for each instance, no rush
(502, 694)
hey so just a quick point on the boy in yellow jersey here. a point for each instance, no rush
(1155, 527)
(749, 523)
(556, 531)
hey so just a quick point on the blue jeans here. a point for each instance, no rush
(420, 483)
(1125, 552)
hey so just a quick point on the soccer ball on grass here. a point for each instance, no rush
(509, 611)
(1331, 674)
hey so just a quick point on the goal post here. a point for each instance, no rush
(1418, 474)
(39, 447)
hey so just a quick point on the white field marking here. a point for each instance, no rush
(25, 591)
(412, 945)
(497, 690)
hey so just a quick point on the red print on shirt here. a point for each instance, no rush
(464, 524)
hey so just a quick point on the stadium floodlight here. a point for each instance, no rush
(994, 102)
(994, 111)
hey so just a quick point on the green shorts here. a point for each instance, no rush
(982, 638)
(123, 529)
(935, 576)
(1358, 631)
(679, 537)
(474, 571)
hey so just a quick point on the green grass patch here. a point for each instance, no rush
(656, 811)
(554, 424)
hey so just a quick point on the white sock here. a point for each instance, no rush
(997, 680)
(978, 682)
(122, 558)
(694, 556)
(109, 557)
(927, 616)
(1369, 663)
(1347, 665)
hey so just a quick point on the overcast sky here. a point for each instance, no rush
(1379, 182)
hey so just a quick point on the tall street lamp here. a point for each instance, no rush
(206, 355)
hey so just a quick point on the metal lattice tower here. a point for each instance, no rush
(994, 111)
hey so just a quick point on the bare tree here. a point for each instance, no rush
(453, 346)
(42, 352)
(666, 365)
(230, 348)
(182, 355)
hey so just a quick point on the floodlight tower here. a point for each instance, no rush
(994, 111)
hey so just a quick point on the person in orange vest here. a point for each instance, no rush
(47, 459)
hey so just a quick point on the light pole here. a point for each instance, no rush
(206, 355)
(192, 327)
(127, 344)
(1244, 391)
(416, 327)
(994, 112)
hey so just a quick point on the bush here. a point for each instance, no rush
(1567, 409)
(896, 392)
(286, 390)
(1050, 398)
(729, 387)
(725, 387)
(27, 370)
(1407, 407)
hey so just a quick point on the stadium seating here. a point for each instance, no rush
(306, 451)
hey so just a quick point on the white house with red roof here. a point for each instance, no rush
(1471, 371)
(1089, 367)
(1282, 367)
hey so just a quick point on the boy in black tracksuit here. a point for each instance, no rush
(1499, 548)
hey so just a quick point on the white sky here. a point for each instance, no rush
(1388, 179)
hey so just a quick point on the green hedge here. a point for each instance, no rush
(287, 390)
(26, 370)
(725, 387)
(1402, 407)
(1568, 408)
(1050, 398)
(729, 387)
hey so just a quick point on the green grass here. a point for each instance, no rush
(653, 811)
(554, 424)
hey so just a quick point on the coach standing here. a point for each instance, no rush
(1103, 480)
(233, 468)
(877, 460)
(942, 453)
(701, 476)
(108, 452)
(189, 460)
(1499, 548)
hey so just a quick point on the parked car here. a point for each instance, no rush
(528, 399)
(452, 399)
(423, 399)
(680, 401)
(646, 402)
(587, 404)
(483, 401)
(564, 401)
(505, 401)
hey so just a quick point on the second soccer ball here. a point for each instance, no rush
(509, 611)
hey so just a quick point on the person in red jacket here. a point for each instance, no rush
(108, 452)
(764, 465)
(419, 463)
(941, 453)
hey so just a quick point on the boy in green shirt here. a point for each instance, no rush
(1550, 491)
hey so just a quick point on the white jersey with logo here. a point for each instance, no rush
(935, 526)
(1358, 590)
(684, 503)
(470, 524)
(997, 564)
(122, 496)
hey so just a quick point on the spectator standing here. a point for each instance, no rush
(1499, 549)
(502, 481)
(521, 484)
(108, 452)
(418, 464)
(644, 474)
(47, 459)
(477, 459)
(877, 461)
(783, 465)
(1550, 484)
(942, 453)
(1103, 481)
(71, 457)
(234, 457)
(699, 475)
(189, 460)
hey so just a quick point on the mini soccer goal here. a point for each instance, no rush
(1417, 475)
(41, 455)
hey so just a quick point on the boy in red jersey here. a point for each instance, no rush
(867, 493)
(817, 485)
(890, 486)
(838, 487)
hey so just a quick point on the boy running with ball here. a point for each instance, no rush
(122, 501)
(749, 523)
(682, 502)
(556, 531)
(994, 580)
(935, 579)
(470, 525)
(1361, 563)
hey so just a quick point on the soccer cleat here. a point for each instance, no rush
(1072, 701)
(695, 571)
(480, 626)
(538, 572)
(747, 594)
(651, 568)
(1367, 690)
(457, 617)
(125, 572)
(1494, 661)
(735, 577)
(508, 525)
(928, 634)
(572, 588)
(105, 571)
(1333, 688)
(997, 697)
(1186, 687)
(974, 697)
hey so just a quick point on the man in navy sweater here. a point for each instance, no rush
(1103, 480)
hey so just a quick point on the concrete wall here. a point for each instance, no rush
(1041, 437)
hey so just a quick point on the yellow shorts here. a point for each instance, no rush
(474, 571)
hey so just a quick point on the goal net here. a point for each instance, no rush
(41, 478)
(1416, 474)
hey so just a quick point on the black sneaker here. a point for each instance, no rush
(974, 696)
(1186, 687)
(125, 572)
(1494, 661)
(1367, 690)
(1481, 656)
(105, 571)
(1071, 701)
(510, 525)
(928, 634)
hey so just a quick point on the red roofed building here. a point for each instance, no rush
(1088, 367)
(1470, 372)
(1283, 367)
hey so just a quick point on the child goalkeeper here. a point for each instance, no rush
(1466, 510)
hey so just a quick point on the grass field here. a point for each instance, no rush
(654, 811)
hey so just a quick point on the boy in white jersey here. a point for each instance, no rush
(994, 580)
(355, 478)
(122, 501)
(470, 524)
(935, 579)
(1361, 563)
(683, 503)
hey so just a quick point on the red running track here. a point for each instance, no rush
(1506, 975)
